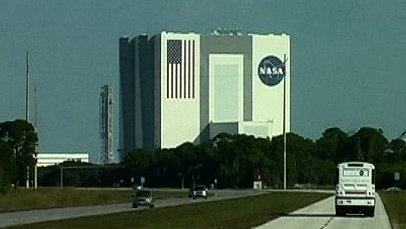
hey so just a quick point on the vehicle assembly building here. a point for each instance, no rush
(179, 87)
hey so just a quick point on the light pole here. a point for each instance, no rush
(37, 147)
(27, 82)
(27, 107)
(271, 71)
(284, 125)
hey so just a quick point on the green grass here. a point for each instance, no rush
(233, 213)
(395, 205)
(22, 199)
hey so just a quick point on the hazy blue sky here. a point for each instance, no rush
(348, 58)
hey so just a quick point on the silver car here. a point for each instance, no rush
(143, 197)
(199, 191)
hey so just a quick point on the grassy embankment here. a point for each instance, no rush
(23, 199)
(233, 213)
(395, 205)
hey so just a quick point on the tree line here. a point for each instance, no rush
(237, 160)
(226, 161)
(229, 161)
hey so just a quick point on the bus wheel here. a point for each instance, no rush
(340, 211)
(370, 212)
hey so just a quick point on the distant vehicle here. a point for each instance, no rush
(143, 197)
(355, 188)
(198, 191)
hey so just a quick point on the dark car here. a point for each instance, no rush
(143, 197)
(198, 191)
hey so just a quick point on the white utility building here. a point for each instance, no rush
(55, 158)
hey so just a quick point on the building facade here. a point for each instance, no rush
(179, 87)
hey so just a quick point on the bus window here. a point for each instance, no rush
(355, 165)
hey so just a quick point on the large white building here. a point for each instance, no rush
(178, 87)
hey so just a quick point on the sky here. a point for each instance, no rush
(348, 59)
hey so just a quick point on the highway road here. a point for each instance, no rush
(321, 215)
(34, 216)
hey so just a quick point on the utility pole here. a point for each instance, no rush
(36, 130)
(27, 86)
(27, 107)
(284, 125)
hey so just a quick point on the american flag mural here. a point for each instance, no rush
(180, 69)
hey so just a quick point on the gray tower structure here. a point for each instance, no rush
(106, 126)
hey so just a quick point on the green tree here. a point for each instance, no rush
(332, 144)
(396, 151)
(139, 164)
(240, 159)
(22, 139)
(253, 161)
(7, 166)
(190, 166)
(370, 144)
(229, 156)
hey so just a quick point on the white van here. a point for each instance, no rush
(355, 188)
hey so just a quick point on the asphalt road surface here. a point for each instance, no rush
(34, 216)
(321, 215)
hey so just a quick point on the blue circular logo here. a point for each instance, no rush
(271, 70)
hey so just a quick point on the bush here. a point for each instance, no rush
(4, 187)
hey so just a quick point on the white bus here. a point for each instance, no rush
(355, 188)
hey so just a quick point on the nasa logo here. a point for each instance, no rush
(271, 70)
